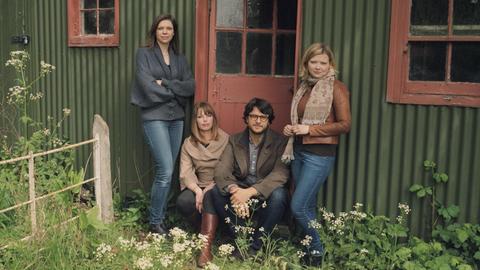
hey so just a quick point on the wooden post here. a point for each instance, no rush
(31, 190)
(101, 168)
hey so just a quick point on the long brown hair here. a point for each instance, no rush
(312, 51)
(152, 33)
(207, 109)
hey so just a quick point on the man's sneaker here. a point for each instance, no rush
(158, 229)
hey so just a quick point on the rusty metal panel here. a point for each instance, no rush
(97, 80)
(384, 152)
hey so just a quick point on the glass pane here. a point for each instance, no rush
(259, 53)
(466, 62)
(229, 52)
(287, 14)
(106, 22)
(466, 17)
(230, 13)
(89, 3)
(284, 62)
(427, 61)
(259, 13)
(89, 22)
(106, 3)
(429, 17)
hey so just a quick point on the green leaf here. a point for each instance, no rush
(444, 177)
(415, 188)
(428, 164)
(421, 193)
(429, 190)
(453, 210)
(462, 235)
(25, 119)
(93, 220)
(464, 267)
(477, 256)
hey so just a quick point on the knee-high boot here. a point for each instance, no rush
(209, 227)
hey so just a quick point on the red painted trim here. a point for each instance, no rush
(75, 37)
(298, 43)
(400, 89)
(201, 50)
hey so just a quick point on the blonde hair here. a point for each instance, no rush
(207, 109)
(312, 51)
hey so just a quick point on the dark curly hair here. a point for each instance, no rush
(264, 106)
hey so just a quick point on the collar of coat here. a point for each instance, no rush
(172, 71)
(244, 139)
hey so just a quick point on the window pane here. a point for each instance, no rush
(229, 52)
(427, 61)
(230, 13)
(429, 17)
(89, 3)
(106, 3)
(89, 22)
(287, 14)
(466, 17)
(284, 62)
(106, 22)
(259, 53)
(466, 62)
(259, 13)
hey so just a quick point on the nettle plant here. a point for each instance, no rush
(460, 239)
(24, 135)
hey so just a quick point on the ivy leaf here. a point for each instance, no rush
(453, 210)
(477, 255)
(428, 164)
(464, 267)
(421, 193)
(444, 177)
(415, 188)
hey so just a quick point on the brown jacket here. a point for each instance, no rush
(338, 121)
(233, 165)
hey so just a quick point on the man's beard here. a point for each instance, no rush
(259, 133)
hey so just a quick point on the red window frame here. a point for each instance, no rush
(75, 36)
(400, 89)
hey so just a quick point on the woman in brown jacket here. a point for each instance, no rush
(320, 112)
(199, 156)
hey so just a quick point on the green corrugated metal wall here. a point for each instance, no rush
(384, 152)
(377, 162)
(97, 80)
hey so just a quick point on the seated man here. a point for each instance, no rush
(250, 167)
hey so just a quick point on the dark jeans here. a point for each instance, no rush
(266, 217)
(164, 139)
(186, 203)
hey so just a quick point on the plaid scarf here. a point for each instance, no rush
(317, 108)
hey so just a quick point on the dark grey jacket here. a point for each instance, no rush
(165, 102)
(233, 165)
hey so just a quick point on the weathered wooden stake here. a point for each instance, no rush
(101, 168)
(31, 190)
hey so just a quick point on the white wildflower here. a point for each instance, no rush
(306, 241)
(315, 224)
(404, 208)
(212, 266)
(178, 247)
(104, 251)
(46, 68)
(364, 251)
(261, 229)
(300, 254)
(144, 263)
(264, 204)
(66, 111)
(166, 260)
(227, 220)
(178, 233)
(225, 250)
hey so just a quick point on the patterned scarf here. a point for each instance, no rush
(317, 108)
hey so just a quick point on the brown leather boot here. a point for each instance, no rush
(209, 227)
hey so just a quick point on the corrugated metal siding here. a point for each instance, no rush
(384, 152)
(97, 80)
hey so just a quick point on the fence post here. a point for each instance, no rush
(101, 168)
(31, 191)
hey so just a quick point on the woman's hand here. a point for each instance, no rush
(199, 200)
(288, 130)
(301, 129)
(159, 82)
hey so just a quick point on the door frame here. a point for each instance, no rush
(202, 42)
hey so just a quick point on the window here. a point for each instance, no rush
(256, 37)
(435, 52)
(93, 23)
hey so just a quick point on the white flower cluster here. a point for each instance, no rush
(244, 229)
(36, 96)
(104, 252)
(66, 111)
(166, 261)
(178, 233)
(306, 241)
(315, 224)
(126, 244)
(16, 95)
(301, 254)
(212, 266)
(18, 60)
(46, 68)
(404, 208)
(144, 263)
(225, 250)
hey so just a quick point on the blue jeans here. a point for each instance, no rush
(164, 139)
(309, 173)
(267, 217)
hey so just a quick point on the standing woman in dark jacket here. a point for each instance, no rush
(161, 88)
(320, 112)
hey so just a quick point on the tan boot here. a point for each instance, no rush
(209, 227)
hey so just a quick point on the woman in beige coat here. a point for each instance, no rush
(199, 156)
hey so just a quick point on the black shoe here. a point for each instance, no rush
(158, 229)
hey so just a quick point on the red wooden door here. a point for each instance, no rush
(252, 46)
